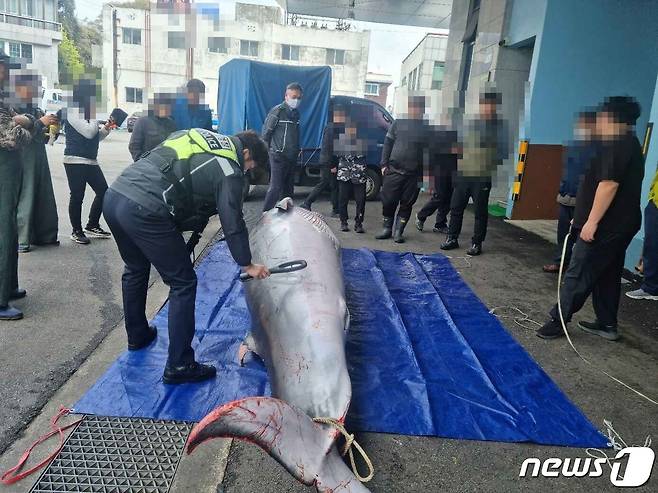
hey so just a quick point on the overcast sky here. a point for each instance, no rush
(389, 44)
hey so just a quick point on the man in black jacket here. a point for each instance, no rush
(177, 187)
(405, 154)
(281, 134)
(151, 130)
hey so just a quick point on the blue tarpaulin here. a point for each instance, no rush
(425, 358)
(248, 90)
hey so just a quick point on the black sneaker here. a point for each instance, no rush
(450, 244)
(335, 214)
(550, 330)
(440, 229)
(17, 294)
(23, 248)
(608, 332)
(344, 226)
(98, 232)
(194, 372)
(305, 205)
(152, 334)
(8, 312)
(475, 250)
(358, 228)
(79, 237)
(420, 223)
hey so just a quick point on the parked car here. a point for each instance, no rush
(130, 122)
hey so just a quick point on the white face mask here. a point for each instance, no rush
(293, 103)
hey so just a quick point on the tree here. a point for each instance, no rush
(71, 66)
(66, 16)
(90, 34)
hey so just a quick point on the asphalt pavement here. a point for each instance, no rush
(73, 330)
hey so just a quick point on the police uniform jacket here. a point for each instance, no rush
(217, 178)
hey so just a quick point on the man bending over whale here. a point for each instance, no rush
(176, 187)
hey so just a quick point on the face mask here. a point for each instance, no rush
(293, 103)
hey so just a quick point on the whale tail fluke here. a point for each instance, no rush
(305, 448)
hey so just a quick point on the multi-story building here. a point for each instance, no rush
(422, 71)
(147, 50)
(377, 87)
(29, 31)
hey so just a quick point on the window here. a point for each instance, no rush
(50, 14)
(412, 79)
(218, 45)
(335, 57)
(372, 89)
(404, 81)
(176, 40)
(27, 8)
(248, 48)
(12, 6)
(419, 75)
(290, 52)
(132, 36)
(21, 50)
(437, 75)
(134, 94)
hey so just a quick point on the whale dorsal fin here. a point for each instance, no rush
(285, 204)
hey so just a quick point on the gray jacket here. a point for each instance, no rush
(149, 132)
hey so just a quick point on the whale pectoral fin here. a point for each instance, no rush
(284, 204)
(247, 346)
(305, 448)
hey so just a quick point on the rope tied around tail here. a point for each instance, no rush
(347, 449)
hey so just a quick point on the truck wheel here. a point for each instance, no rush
(373, 183)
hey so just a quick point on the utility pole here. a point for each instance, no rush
(115, 56)
(147, 48)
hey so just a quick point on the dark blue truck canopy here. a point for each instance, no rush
(249, 89)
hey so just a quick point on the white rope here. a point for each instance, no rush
(518, 319)
(616, 442)
(347, 449)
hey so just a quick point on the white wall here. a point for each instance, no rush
(168, 66)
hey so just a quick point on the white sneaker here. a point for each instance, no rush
(641, 294)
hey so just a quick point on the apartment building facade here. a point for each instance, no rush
(151, 50)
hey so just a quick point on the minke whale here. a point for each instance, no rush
(299, 323)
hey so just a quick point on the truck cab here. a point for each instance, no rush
(373, 122)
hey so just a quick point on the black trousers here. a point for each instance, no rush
(328, 181)
(282, 180)
(344, 190)
(144, 239)
(439, 202)
(595, 269)
(399, 192)
(78, 176)
(464, 189)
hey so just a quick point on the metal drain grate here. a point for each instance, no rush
(117, 455)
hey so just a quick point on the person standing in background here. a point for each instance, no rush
(328, 161)
(190, 111)
(649, 288)
(578, 155)
(37, 210)
(83, 134)
(404, 157)
(281, 134)
(14, 134)
(486, 145)
(442, 167)
(152, 129)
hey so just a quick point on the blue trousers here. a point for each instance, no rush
(650, 255)
(282, 180)
(145, 238)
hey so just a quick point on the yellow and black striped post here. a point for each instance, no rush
(520, 167)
